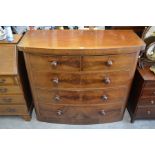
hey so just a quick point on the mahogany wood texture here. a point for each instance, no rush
(79, 76)
(13, 95)
(141, 104)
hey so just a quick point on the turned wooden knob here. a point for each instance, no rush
(59, 112)
(109, 63)
(148, 112)
(54, 63)
(104, 97)
(3, 90)
(152, 102)
(57, 98)
(7, 99)
(102, 112)
(2, 80)
(56, 80)
(107, 80)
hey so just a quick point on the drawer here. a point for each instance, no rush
(8, 80)
(79, 114)
(148, 101)
(95, 96)
(83, 80)
(10, 90)
(13, 110)
(145, 112)
(109, 62)
(148, 92)
(55, 63)
(12, 99)
(149, 84)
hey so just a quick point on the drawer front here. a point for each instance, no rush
(109, 62)
(55, 63)
(149, 84)
(147, 101)
(12, 99)
(7, 80)
(145, 112)
(87, 80)
(104, 96)
(13, 110)
(4, 90)
(79, 114)
(148, 92)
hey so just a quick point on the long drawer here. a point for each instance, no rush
(148, 92)
(13, 110)
(10, 90)
(7, 80)
(147, 101)
(145, 112)
(87, 80)
(95, 96)
(12, 99)
(79, 114)
(83, 63)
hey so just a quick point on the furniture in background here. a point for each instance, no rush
(15, 94)
(80, 77)
(141, 104)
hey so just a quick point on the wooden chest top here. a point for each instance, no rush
(95, 40)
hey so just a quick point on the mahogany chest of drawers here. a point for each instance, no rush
(142, 97)
(15, 95)
(80, 76)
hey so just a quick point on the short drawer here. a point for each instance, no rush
(148, 92)
(81, 80)
(109, 62)
(79, 114)
(95, 96)
(13, 110)
(148, 101)
(145, 112)
(12, 99)
(4, 90)
(7, 80)
(54, 63)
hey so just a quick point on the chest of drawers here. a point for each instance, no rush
(15, 95)
(142, 97)
(80, 77)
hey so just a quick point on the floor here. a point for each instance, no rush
(7, 122)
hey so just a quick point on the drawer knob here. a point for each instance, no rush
(7, 99)
(102, 112)
(148, 112)
(2, 80)
(3, 90)
(152, 102)
(104, 97)
(54, 63)
(59, 112)
(56, 80)
(57, 98)
(109, 63)
(11, 110)
(107, 80)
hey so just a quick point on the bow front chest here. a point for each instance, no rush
(80, 76)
